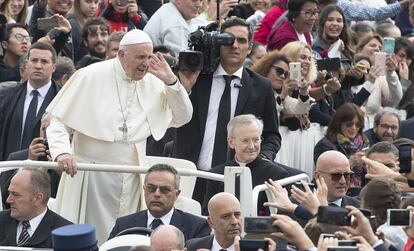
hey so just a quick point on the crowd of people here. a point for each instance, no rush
(321, 87)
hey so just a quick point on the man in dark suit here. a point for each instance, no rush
(244, 137)
(216, 97)
(225, 219)
(161, 188)
(29, 222)
(22, 106)
(386, 126)
(334, 167)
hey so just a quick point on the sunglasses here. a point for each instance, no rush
(281, 72)
(163, 189)
(337, 176)
(351, 123)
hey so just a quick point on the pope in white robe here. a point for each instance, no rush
(109, 109)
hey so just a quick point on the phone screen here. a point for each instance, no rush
(333, 215)
(399, 217)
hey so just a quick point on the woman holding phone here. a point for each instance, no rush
(387, 89)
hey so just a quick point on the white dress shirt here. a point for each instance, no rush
(34, 223)
(216, 246)
(166, 219)
(217, 89)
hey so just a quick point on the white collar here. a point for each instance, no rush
(35, 222)
(337, 202)
(216, 246)
(42, 90)
(220, 72)
(166, 219)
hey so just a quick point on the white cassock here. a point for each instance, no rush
(89, 108)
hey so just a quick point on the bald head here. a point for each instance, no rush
(331, 158)
(167, 237)
(218, 200)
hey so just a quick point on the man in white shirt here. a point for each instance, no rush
(29, 222)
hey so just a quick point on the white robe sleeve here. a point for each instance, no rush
(58, 136)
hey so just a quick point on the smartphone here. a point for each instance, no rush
(333, 215)
(259, 225)
(329, 236)
(399, 217)
(367, 213)
(47, 23)
(254, 245)
(379, 60)
(295, 71)
(389, 45)
(299, 185)
(329, 64)
(404, 157)
(347, 243)
(342, 248)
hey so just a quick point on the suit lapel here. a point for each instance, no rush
(11, 231)
(43, 231)
(178, 221)
(203, 96)
(141, 219)
(48, 98)
(21, 96)
(244, 92)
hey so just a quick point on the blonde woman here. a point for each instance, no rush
(15, 10)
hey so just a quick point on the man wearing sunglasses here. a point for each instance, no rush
(161, 189)
(334, 167)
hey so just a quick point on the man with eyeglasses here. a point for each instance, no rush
(16, 43)
(334, 167)
(161, 189)
(386, 126)
(244, 137)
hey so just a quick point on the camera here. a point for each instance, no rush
(333, 215)
(205, 52)
(260, 225)
(46, 143)
(329, 64)
(404, 158)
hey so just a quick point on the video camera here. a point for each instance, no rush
(205, 52)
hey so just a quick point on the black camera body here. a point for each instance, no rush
(205, 54)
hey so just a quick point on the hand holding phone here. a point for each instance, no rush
(47, 23)
(295, 70)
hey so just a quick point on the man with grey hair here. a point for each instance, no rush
(166, 238)
(386, 126)
(244, 137)
(29, 222)
(161, 189)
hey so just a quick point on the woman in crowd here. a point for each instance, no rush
(81, 10)
(300, 20)
(246, 9)
(404, 54)
(345, 134)
(15, 10)
(257, 52)
(268, 20)
(121, 16)
(387, 90)
(333, 39)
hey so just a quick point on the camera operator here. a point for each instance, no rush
(215, 102)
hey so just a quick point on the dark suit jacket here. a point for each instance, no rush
(191, 225)
(255, 97)
(261, 170)
(204, 242)
(372, 137)
(11, 116)
(406, 129)
(41, 238)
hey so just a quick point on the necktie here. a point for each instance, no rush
(220, 141)
(30, 121)
(24, 235)
(156, 223)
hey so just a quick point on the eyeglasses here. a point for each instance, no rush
(337, 176)
(310, 13)
(255, 141)
(352, 123)
(387, 127)
(151, 188)
(280, 72)
(20, 37)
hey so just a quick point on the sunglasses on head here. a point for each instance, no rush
(281, 72)
(337, 176)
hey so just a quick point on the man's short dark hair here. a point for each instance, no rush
(164, 168)
(43, 46)
(94, 21)
(236, 21)
(383, 147)
(403, 141)
(64, 65)
(295, 6)
(10, 27)
(115, 36)
(164, 49)
(404, 43)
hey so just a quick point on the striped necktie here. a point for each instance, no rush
(24, 235)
